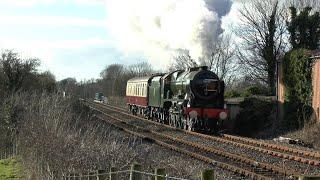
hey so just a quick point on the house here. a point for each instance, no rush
(315, 83)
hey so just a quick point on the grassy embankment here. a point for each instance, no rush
(10, 168)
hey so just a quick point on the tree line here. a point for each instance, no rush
(112, 81)
(20, 74)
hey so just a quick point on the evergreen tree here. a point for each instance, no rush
(304, 29)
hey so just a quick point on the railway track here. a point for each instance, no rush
(233, 162)
(216, 157)
(293, 154)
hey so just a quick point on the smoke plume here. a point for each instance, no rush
(159, 28)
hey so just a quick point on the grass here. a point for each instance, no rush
(309, 134)
(10, 169)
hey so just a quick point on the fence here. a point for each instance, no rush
(8, 152)
(135, 173)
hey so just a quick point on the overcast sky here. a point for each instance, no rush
(70, 37)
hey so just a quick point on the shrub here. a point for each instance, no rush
(253, 90)
(58, 135)
(232, 94)
(297, 78)
(254, 116)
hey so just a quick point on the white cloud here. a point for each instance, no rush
(58, 44)
(45, 50)
(91, 2)
(49, 21)
(30, 3)
(25, 2)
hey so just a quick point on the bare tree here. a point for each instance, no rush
(68, 85)
(182, 60)
(262, 31)
(222, 57)
(112, 75)
(219, 61)
(139, 69)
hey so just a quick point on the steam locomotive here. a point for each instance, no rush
(191, 99)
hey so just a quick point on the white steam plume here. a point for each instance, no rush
(159, 28)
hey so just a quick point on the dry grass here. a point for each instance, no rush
(57, 135)
(118, 101)
(309, 134)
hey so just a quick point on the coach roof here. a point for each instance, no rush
(140, 79)
(144, 78)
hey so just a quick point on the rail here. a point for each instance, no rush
(235, 158)
(303, 156)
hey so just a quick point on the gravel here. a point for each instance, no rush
(251, 154)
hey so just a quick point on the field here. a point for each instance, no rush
(10, 169)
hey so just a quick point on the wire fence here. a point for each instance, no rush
(135, 173)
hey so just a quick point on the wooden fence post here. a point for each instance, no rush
(67, 176)
(161, 172)
(76, 176)
(102, 175)
(207, 174)
(309, 177)
(113, 176)
(92, 175)
(73, 176)
(135, 175)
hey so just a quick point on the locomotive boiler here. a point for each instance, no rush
(191, 99)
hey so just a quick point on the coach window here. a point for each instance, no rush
(143, 90)
(130, 89)
(140, 90)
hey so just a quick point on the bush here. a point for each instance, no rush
(58, 135)
(232, 94)
(254, 116)
(253, 90)
(297, 78)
